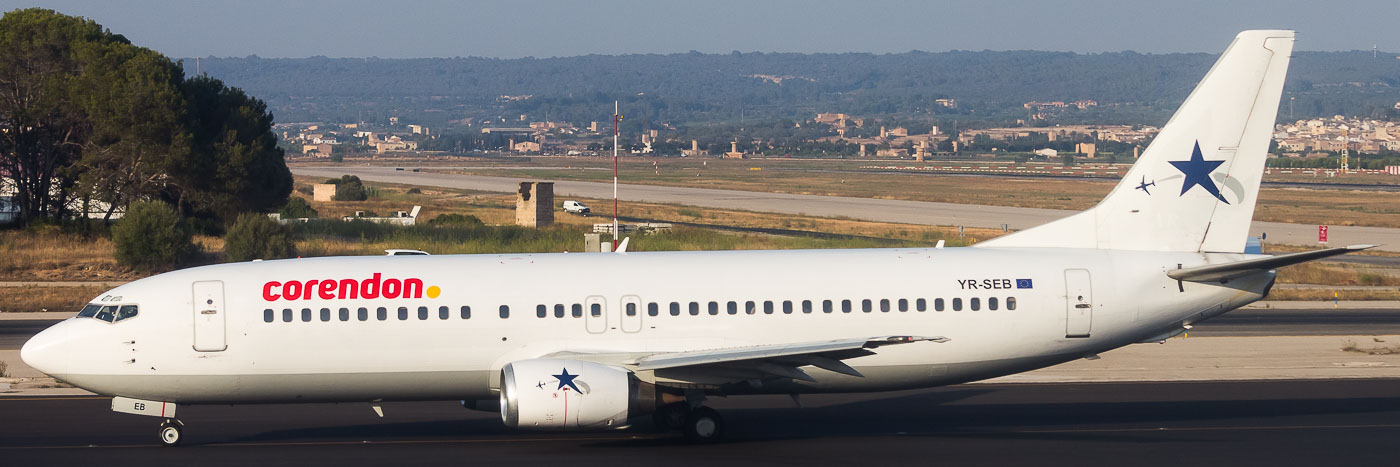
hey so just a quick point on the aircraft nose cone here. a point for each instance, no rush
(45, 351)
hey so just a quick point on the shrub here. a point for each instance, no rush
(415, 191)
(151, 236)
(348, 188)
(297, 207)
(455, 219)
(255, 236)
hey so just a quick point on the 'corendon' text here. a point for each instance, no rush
(343, 289)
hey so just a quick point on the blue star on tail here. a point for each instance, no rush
(1197, 171)
(567, 379)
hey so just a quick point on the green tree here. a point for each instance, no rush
(234, 165)
(297, 208)
(349, 188)
(151, 236)
(255, 236)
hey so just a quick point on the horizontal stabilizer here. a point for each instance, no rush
(1217, 272)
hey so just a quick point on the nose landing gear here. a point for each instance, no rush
(171, 432)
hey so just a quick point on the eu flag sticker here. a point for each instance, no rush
(1023, 283)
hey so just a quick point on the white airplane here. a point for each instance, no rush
(632, 334)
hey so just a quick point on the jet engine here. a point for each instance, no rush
(552, 394)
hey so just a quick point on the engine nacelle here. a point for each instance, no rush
(550, 394)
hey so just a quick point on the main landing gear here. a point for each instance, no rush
(700, 424)
(171, 432)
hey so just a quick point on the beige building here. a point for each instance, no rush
(323, 192)
(534, 204)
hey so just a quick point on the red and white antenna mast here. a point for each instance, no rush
(617, 118)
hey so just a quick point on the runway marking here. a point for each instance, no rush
(651, 437)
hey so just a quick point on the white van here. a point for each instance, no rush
(575, 207)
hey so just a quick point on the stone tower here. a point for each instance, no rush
(534, 204)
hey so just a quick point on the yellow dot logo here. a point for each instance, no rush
(434, 291)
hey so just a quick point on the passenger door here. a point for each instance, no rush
(1079, 303)
(595, 313)
(209, 319)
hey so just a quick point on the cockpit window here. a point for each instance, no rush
(108, 313)
(126, 311)
(89, 311)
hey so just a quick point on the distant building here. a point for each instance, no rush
(323, 192)
(734, 151)
(694, 150)
(418, 129)
(1089, 150)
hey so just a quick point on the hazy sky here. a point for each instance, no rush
(442, 28)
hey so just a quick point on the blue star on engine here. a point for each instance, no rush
(567, 379)
(1197, 171)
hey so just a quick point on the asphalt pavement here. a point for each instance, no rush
(1333, 422)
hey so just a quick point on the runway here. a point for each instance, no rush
(883, 210)
(1245, 322)
(1332, 422)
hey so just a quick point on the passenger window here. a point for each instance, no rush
(845, 306)
(732, 307)
(541, 311)
(884, 305)
(595, 309)
(444, 312)
(344, 314)
(559, 310)
(363, 313)
(1011, 303)
(974, 303)
(750, 307)
(126, 311)
(787, 307)
(306, 315)
(992, 303)
(675, 309)
(920, 304)
(653, 309)
(286, 315)
(576, 310)
(865, 305)
(466, 312)
(268, 315)
(937, 304)
(957, 304)
(422, 313)
(826, 306)
(381, 313)
(630, 309)
(325, 314)
(505, 311)
(694, 308)
(714, 308)
(903, 304)
(807, 306)
(403, 313)
(768, 307)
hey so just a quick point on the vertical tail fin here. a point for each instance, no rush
(1194, 188)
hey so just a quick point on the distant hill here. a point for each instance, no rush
(695, 88)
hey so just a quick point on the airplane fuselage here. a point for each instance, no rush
(307, 330)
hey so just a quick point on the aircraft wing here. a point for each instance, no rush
(1216, 272)
(734, 364)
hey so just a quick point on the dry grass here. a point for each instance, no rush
(46, 298)
(1326, 296)
(48, 254)
(1334, 274)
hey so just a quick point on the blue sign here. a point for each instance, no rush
(1023, 283)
